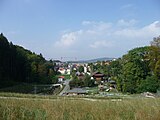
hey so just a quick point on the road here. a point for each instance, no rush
(66, 88)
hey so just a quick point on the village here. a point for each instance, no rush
(84, 79)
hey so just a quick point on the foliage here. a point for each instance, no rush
(115, 67)
(150, 84)
(81, 69)
(157, 69)
(76, 83)
(20, 65)
(134, 69)
(85, 82)
(154, 56)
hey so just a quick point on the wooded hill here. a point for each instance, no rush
(21, 65)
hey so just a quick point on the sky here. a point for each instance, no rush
(80, 29)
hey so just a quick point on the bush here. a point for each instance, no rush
(150, 84)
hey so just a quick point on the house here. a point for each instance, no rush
(68, 71)
(99, 77)
(60, 79)
(85, 69)
(62, 70)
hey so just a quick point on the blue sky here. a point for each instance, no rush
(81, 29)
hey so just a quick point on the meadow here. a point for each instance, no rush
(74, 108)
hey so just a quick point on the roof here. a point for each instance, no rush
(77, 90)
(61, 69)
(97, 74)
(112, 81)
(61, 77)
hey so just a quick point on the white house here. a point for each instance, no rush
(60, 79)
(62, 70)
(68, 71)
(85, 69)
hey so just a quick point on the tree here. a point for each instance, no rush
(157, 69)
(87, 81)
(81, 69)
(150, 84)
(134, 69)
(21, 65)
(115, 68)
(154, 56)
(156, 42)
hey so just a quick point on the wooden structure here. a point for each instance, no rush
(98, 76)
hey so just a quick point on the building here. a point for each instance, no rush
(76, 91)
(60, 79)
(99, 77)
(62, 70)
(68, 71)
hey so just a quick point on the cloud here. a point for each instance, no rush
(88, 22)
(147, 31)
(100, 44)
(157, 24)
(95, 38)
(125, 23)
(68, 39)
(100, 26)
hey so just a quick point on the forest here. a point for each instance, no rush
(19, 65)
(137, 71)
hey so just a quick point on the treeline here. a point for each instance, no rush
(20, 65)
(139, 70)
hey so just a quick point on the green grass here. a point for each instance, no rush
(66, 76)
(69, 108)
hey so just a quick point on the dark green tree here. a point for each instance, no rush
(81, 69)
(154, 56)
(150, 84)
(134, 69)
(21, 65)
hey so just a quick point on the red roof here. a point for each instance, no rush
(61, 77)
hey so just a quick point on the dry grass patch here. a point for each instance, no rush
(79, 109)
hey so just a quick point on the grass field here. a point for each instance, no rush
(70, 108)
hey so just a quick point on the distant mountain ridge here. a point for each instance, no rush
(92, 60)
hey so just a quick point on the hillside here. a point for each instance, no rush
(92, 60)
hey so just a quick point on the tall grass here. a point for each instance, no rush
(79, 109)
